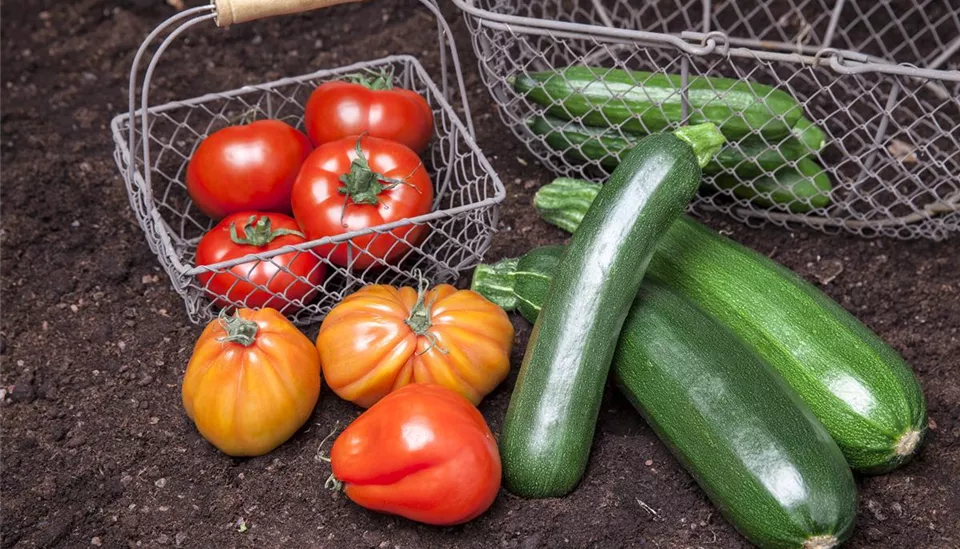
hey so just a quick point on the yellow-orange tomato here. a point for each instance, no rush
(382, 338)
(252, 381)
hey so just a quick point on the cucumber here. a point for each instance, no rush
(798, 189)
(856, 385)
(727, 417)
(548, 429)
(645, 102)
(810, 135)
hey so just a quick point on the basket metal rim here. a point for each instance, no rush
(841, 61)
(120, 140)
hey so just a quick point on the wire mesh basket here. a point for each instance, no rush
(879, 78)
(153, 154)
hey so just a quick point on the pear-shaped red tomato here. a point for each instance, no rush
(422, 452)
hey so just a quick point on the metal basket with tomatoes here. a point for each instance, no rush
(294, 193)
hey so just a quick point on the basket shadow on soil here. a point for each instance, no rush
(94, 343)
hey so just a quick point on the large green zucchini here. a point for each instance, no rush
(548, 429)
(858, 386)
(645, 102)
(749, 441)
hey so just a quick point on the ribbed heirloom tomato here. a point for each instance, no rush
(381, 338)
(252, 381)
(424, 453)
(284, 281)
(246, 168)
(358, 183)
(368, 106)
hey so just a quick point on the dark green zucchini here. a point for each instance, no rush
(548, 429)
(748, 440)
(858, 386)
(645, 103)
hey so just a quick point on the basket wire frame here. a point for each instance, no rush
(152, 156)
(881, 82)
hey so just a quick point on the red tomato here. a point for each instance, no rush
(247, 168)
(358, 183)
(271, 282)
(344, 109)
(422, 452)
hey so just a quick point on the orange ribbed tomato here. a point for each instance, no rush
(382, 338)
(423, 453)
(252, 381)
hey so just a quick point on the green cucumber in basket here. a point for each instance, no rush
(799, 189)
(645, 102)
(723, 412)
(751, 157)
(856, 385)
(549, 425)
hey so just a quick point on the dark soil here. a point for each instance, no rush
(96, 447)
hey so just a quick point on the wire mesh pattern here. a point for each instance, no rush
(437, 246)
(879, 80)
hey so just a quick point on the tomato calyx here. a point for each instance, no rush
(419, 319)
(362, 185)
(259, 232)
(238, 329)
(383, 81)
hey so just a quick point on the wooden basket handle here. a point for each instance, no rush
(230, 12)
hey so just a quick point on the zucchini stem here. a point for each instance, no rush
(705, 140)
(496, 283)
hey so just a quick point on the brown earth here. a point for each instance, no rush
(96, 448)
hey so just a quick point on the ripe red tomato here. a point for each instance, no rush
(270, 282)
(247, 168)
(422, 452)
(347, 109)
(357, 183)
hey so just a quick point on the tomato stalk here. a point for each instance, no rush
(238, 329)
(382, 81)
(419, 319)
(362, 185)
(259, 232)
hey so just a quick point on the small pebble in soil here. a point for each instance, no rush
(145, 379)
(180, 538)
(24, 391)
(95, 541)
(160, 482)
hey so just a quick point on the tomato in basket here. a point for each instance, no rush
(245, 168)
(369, 106)
(359, 183)
(285, 281)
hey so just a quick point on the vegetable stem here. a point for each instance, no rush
(705, 140)
(496, 281)
(238, 330)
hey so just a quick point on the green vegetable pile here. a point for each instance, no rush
(596, 115)
(767, 391)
